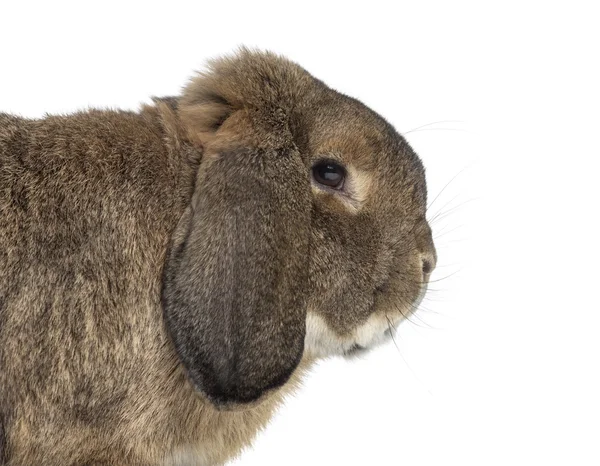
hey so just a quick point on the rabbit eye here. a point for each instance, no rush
(329, 174)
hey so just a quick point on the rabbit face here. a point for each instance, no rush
(371, 249)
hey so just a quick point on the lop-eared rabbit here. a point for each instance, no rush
(167, 275)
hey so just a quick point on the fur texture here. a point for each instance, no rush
(158, 268)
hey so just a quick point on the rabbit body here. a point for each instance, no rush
(167, 275)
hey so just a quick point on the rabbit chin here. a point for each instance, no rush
(321, 341)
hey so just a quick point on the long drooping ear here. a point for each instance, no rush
(234, 294)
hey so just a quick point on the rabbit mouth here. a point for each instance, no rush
(356, 350)
(360, 350)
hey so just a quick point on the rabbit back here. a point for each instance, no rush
(87, 205)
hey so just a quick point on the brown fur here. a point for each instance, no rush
(204, 200)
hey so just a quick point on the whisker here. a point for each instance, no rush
(434, 301)
(441, 209)
(445, 232)
(433, 123)
(435, 290)
(445, 277)
(440, 215)
(391, 323)
(437, 129)
(404, 359)
(443, 266)
(446, 242)
(444, 188)
(413, 313)
(390, 326)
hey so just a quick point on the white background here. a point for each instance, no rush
(501, 366)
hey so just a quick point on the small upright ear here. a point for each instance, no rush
(234, 284)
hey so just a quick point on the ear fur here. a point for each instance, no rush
(234, 281)
(256, 81)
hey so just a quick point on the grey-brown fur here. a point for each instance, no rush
(156, 267)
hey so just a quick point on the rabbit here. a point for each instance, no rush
(167, 276)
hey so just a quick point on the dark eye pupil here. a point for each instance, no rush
(329, 174)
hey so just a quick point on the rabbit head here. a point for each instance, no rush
(305, 235)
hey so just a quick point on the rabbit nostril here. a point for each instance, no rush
(427, 266)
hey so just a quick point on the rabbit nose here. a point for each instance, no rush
(428, 264)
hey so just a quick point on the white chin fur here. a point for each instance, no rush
(321, 341)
